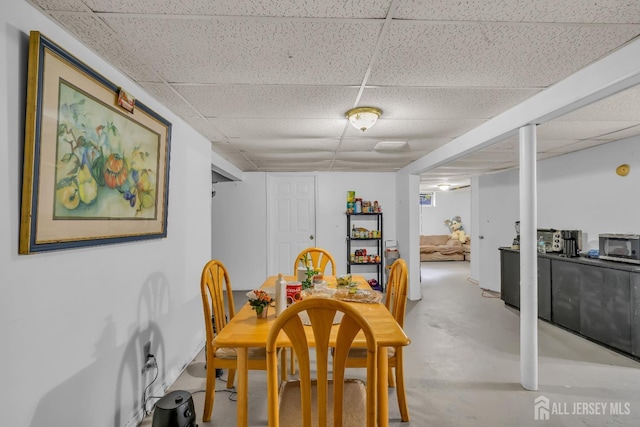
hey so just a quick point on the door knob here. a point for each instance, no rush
(311, 237)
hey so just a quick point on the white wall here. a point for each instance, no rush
(332, 203)
(448, 204)
(582, 191)
(576, 191)
(73, 322)
(498, 209)
(239, 229)
(239, 219)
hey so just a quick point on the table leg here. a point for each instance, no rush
(243, 386)
(383, 386)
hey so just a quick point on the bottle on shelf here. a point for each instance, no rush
(541, 246)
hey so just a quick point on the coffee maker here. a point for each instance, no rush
(571, 243)
(516, 241)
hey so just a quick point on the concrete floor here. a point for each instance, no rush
(463, 367)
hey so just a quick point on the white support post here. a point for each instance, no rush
(528, 259)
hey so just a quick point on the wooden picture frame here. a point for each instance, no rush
(94, 172)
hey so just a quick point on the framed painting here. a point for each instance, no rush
(95, 171)
(428, 199)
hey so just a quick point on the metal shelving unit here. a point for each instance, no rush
(369, 242)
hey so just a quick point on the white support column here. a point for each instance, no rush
(528, 259)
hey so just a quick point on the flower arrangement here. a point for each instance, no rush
(260, 302)
(308, 282)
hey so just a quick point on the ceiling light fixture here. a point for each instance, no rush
(444, 187)
(362, 118)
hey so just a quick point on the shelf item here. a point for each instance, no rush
(364, 243)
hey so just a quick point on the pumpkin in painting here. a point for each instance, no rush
(115, 171)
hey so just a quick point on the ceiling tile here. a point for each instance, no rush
(443, 103)
(621, 106)
(415, 129)
(370, 166)
(491, 54)
(269, 82)
(294, 165)
(167, 96)
(239, 160)
(621, 134)
(61, 5)
(206, 127)
(246, 50)
(580, 145)
(310, 145)
(328, 102)
(491, 156)
(280, 128)
(274, 8)
(263, 156)
(606, 11)
(559, 129)
(93, 33)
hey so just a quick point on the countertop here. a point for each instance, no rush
(623, 266)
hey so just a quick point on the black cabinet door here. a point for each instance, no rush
(605, 306)
(544, 288)
(510, 278)
(635, 314)
(565, 301)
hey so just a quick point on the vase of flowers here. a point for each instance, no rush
(309, 273)
(260, 303)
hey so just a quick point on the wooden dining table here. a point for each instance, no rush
(245, 330)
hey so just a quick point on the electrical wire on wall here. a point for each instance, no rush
(146, 398)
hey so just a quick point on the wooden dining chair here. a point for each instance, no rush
(214, 283)
(321, 401)
(319, 260)
(396, 302)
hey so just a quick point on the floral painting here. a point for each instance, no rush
(106, 164)
(95, 171)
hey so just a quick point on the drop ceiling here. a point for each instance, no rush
(268, 82)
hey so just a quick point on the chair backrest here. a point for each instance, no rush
(319, 260)
(396, 300)
(213, 282)
(321, 313)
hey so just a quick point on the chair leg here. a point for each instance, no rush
(392, 379)
(292, 371)
(210, 392)
(400, 389)
(283, 364)
(231, 376)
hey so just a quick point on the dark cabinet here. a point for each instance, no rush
(604, 306)
(510, 282)
(635, 314)
(544, 288)
(510, 278)
(566, 278)
(597, 299)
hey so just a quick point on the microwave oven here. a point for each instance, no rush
(620, 247)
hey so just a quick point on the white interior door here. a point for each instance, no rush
(292, 220)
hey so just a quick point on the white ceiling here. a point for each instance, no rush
(269, 82)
